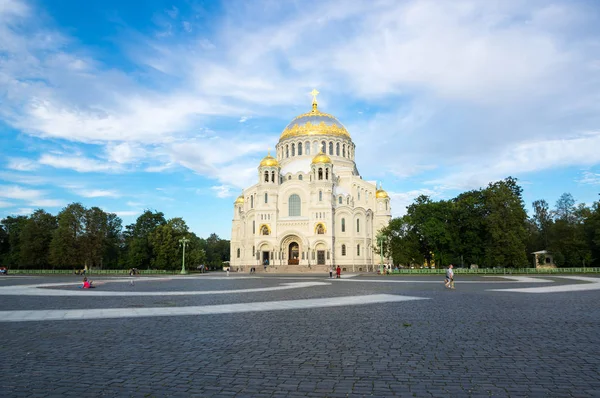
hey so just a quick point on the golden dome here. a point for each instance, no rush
(314, 122)
(269, 161)
(321, 158)
(380, 193)
(240, 200)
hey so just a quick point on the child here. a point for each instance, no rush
(87, 284)
(449, 277)
(330, 272)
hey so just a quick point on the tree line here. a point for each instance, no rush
(78, 237)
(491, 228)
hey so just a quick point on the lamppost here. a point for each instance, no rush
(182, 242)
(380, 242)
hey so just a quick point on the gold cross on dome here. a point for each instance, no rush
(314, 93)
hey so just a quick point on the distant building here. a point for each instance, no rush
(310, 208)
(543, 259)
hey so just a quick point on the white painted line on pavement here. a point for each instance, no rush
(526, 279)
(594, 285)
(65, 315)
(37, 290)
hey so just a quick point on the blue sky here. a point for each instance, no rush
(170, 105)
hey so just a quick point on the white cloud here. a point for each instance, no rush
(80, 164)
(46, 203)
(16, 192)
(525, 157)
(187, 26)
(401, 200)
(127, 213)
(98, 193)
(22, 164)
(4, 203)
(23, 211)
(223, 191)
(589, 178)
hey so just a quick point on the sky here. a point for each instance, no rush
(171, 105)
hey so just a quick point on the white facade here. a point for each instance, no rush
(310, 209)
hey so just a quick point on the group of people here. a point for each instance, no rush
(338, 272)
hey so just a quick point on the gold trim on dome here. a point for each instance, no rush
(314, 129)
(240, 199)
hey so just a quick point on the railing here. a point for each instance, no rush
(92, 272)
(500, 271)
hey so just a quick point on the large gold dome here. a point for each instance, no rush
(314, 122)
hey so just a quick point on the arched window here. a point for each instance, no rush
(272, 176)
(331, 148)
(293, 149)
(266, 197)
(358, 194)
(289, 178)
(343, 250)
(340, 200)
(343, 225)
(358, 250)
(320, 196)
(264, 230)
(326, 173)
(287, 151)
(294, 209)
(344, 150)
(320, 174)
(266, 176)
(386, 204)
(238, 252)
(307, 147)
(323, 147)
(252, 201)
(299, 149)
(348, 200)
(253, 227)
(357, 225)
(300, 177)
(337, 149)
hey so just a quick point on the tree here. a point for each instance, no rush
(164, 241)
(542, 220)
(137, 238)
(66, 246)
(505, 223)
(14, 226)
(35, 239)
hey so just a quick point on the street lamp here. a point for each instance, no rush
(182, 242)
(380, 241)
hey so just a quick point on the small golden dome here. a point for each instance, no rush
(321, 158)
(240, 200)
(381, 194)
(269, 161)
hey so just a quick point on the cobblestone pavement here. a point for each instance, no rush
(471, 341)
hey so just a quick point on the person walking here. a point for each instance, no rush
(449, 282)
(338, 272)
(330, 272)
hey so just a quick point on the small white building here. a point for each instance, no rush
(310, 209)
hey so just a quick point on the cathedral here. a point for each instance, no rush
(310, 209)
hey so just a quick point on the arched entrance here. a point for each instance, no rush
(293, 253)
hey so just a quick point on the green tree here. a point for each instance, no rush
(35, 239)
(137, 238)
(164, 241)
(14, 226)
(505, 224)
(67, 242)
